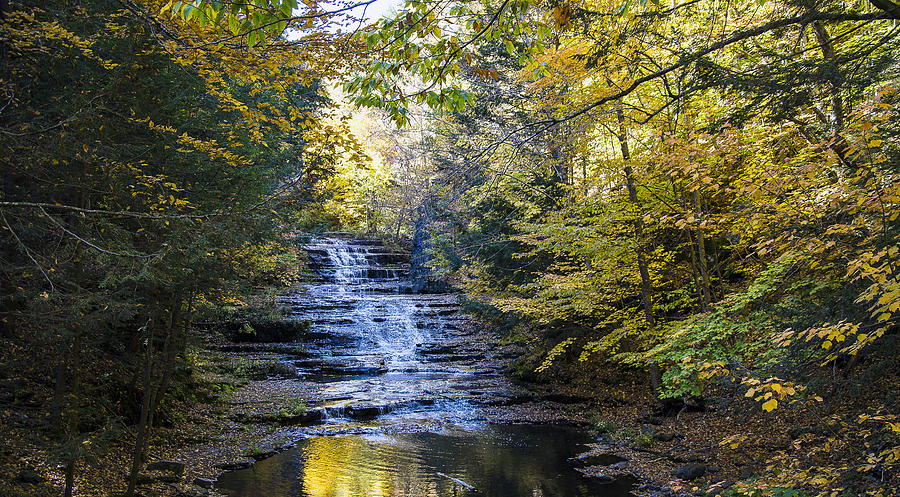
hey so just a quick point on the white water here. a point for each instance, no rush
(368, 337)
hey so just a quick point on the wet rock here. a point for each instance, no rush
(353, 370)
(204, 482)
(435, 349)
(306, 418)
(484, 372)
(175, 467)
(603, 477)
(455, 357)
(690, 471)
(363, 412)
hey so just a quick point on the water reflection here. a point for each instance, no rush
(499, 461)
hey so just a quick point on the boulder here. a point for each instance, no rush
(690, 471)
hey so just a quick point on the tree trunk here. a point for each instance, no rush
(59, 389)
(701, 252)
(834, 88)
(639, 222)
(136, 458)
(837, 141)
(694, 268)
(646, 289)
(70, 478)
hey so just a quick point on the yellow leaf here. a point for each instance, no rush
(770, 405)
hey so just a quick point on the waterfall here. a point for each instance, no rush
(367, 336)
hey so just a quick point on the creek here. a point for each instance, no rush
(400, 384)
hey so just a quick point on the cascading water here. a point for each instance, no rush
(367, 354)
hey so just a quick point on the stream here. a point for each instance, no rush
(400, 383)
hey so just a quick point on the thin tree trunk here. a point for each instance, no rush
(639, 222)
(136, 459)
(167, 365)
(70, 477)
(694, 269)
(59, 388)
(837, 105)
(837, 141)
(717, 266)
(646, 289)
(701, 251)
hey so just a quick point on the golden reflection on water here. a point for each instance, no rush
(354, 466)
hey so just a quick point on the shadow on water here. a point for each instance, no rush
(499, 461)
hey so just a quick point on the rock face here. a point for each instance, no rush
(690, 471)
